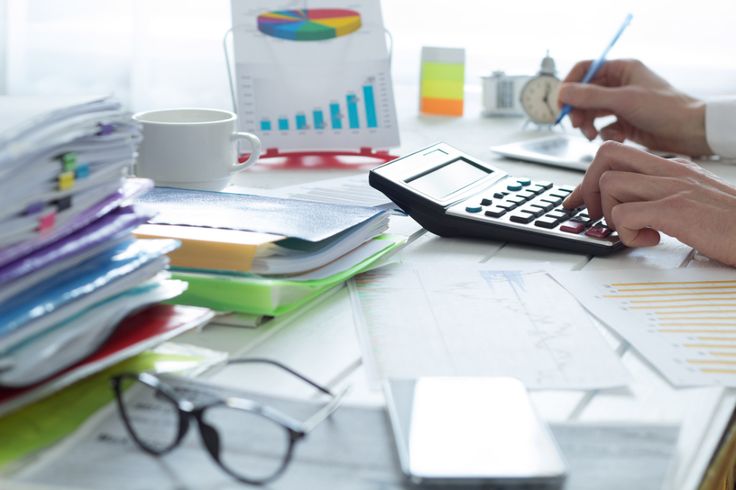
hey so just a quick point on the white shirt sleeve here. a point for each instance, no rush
(720, 126)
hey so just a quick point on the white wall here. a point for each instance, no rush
(158, 53)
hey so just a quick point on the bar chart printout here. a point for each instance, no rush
(313, 78)
(682, 321)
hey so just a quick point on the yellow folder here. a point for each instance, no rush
(211, 248)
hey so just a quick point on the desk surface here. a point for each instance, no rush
(321, 342)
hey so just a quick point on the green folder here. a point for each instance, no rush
(248, 293)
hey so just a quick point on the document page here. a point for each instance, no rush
(473, 321)
(683, 321)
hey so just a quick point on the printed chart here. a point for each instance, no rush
(309, 24)
(314, 78)
(471, 321)
(682, 321)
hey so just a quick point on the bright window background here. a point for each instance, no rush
(163, 53)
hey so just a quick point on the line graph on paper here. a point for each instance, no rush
(682, 321)
(473, 321)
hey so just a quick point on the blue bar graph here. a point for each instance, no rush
(358, 110)
(352, 102)
(335, 116)
(319, 120)
(301, 121)
(370, 106)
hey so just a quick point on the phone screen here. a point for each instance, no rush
(471, 430)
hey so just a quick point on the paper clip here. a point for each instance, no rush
(66, 180)
(47, 221)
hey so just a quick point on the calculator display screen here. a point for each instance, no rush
(448, 178)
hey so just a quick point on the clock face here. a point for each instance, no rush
(539, 99)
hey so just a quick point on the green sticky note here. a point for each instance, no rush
(442, 89)
(443, 71)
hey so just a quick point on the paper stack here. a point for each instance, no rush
(263, 255)
(70, 268)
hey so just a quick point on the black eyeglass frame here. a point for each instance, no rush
(187, 410)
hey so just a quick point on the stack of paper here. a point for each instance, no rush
(70, 268)
(263, 255)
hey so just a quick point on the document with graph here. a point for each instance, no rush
(474, 321)
(683, 321)
(314, 77)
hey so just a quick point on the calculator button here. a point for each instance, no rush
(499, 195)
(555, 201)
(526, 194)
(559, 214)
(522, 217)
(557, 194)
(514, 187)
(536, 188)
(566, 188)
(525, 181)
(572, 227)
(486, 202)
(598, 232)
(532, 210)
(516, 200)
(544, 206)
(508, 206)
(543, 183)
(474, 209)
(495, 212)
(546, 222)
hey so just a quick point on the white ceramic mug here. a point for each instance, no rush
(192, 148)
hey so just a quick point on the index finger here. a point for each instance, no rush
(616, 156)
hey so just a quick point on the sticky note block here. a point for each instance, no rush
(442, 81)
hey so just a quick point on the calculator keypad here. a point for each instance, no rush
(522, 202)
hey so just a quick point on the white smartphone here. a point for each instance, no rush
(471, 430)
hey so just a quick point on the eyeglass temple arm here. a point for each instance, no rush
(320, 415)
(285, 368)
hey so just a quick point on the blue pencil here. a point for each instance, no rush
(596, 65)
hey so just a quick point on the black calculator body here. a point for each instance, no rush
(455, 195)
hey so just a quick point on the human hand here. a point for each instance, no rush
(648, 110)
(641, 195)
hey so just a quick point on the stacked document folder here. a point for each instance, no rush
(263, 255)
(70, 268)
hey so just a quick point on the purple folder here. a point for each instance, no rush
(110, 227)
(131, 189)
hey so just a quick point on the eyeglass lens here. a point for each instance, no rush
(152, 417)
(250, 445)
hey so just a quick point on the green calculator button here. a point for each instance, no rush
(474, 209)
(514, 187)
(525, 181)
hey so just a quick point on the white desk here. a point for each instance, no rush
(321, 342)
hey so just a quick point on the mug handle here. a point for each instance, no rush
(255, 152)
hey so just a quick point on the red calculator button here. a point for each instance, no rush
(598, 232)
(572, 227)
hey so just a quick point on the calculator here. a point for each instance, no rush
(453, 194)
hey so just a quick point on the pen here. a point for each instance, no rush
(596, 65)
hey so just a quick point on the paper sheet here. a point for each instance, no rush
(473, 321)
(683, 321)
(353, 450)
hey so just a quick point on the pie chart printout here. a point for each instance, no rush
(309, 24)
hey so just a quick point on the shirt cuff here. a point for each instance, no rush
(720, 126)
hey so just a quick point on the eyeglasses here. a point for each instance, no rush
(257, 459)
